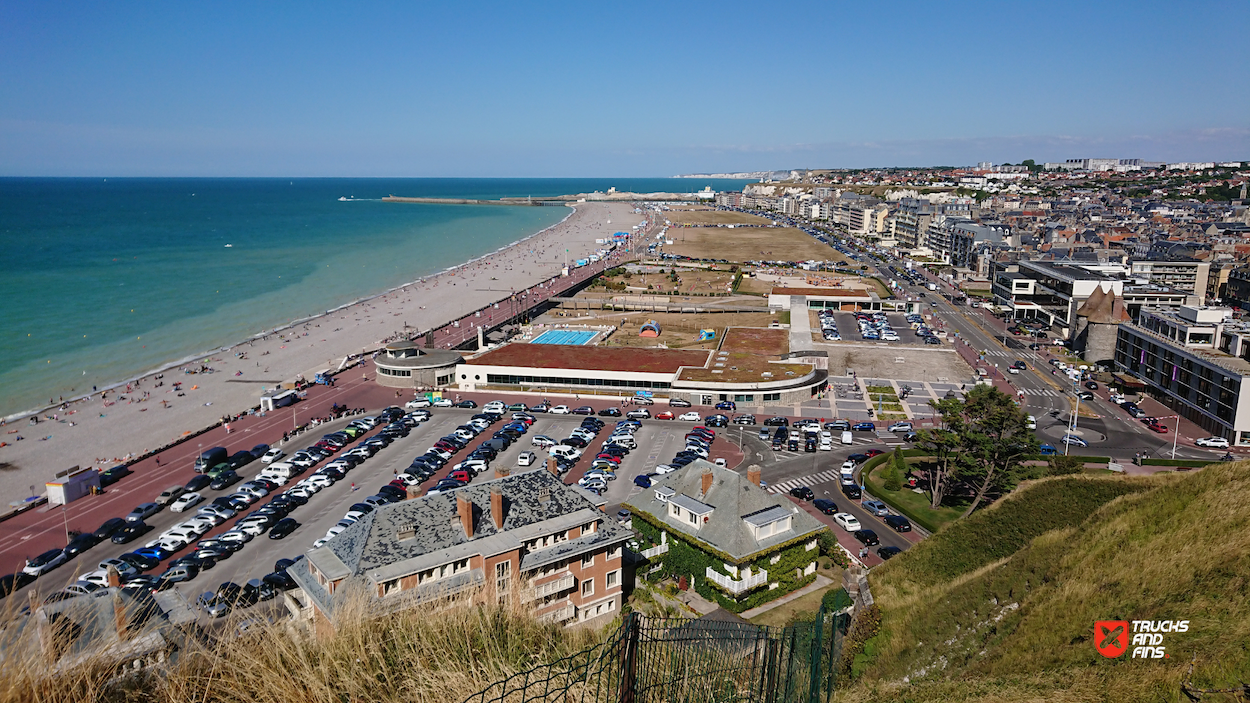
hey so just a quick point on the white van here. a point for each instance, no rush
(564, 451)
(1031, 423)
(847, 437)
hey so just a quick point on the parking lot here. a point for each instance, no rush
(848, 328)
(658, 441)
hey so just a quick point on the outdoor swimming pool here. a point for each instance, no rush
(565, 337)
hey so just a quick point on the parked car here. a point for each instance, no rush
(169, 495)
(802, 493)
(142, 512)
(1216, 442)
(283, 528)
(109, 527)
(898, 523)
(868, 538)
(130, 532)
(827, 507)
(888, 552)
(45, 562)
(846, 521)
(185, 501)
(875, 507)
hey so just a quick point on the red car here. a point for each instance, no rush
(663, 416)
(874, 452)
(1161, 429)
(609, 457)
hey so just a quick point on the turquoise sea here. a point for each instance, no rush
(104, 279)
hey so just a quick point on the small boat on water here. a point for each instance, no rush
(229, 245)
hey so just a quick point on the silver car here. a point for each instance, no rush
(876, 507)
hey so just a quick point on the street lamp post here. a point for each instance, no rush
(1077, 412)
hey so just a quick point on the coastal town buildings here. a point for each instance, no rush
(523, 537)
(1195, 361)
(749, 365)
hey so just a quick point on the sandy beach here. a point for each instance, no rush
(143, 414)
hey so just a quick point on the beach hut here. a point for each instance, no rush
(650, 328)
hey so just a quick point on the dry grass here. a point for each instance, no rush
(682, 330)
(713, 217)
(749, 244)
(1020, 627)
(689, 280)
(415, 655)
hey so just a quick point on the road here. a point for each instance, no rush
(1048, 397)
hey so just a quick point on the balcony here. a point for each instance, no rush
(561, 614)
(738, 586)
(655, 551)
(563, 583)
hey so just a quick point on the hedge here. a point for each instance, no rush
(685, 558)
(1178, 462)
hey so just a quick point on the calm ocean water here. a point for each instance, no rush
(103, 279)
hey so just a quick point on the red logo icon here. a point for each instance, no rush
(1111, 637)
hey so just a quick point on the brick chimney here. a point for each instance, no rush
(502, 472)
(119, 615)
(413, 491)
(553, 467)
(464, 510)
(496, 506)
(707, 482)
(112, 578)
(753, 474)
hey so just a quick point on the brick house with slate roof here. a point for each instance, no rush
(526, 537)
(734, 522)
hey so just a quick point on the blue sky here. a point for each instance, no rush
(611, 89)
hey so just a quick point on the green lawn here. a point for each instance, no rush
(783, 614)
(914, 506)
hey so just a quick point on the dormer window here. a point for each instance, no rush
(689, 511)
(768, 522)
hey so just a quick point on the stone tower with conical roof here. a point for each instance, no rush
(1097, 324)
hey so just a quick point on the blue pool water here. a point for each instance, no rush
(564, 337)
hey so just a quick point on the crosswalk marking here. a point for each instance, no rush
(1042, 392)
(810, 480)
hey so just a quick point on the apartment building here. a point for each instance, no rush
(526, 537)
(1189, 276)
(1047, 291)
(1196, 361)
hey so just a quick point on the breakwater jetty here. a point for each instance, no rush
(610, 196)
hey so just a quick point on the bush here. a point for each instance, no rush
(835, 599)
(893, 482)
(1064, 465)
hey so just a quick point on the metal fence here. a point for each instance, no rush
(675, 659)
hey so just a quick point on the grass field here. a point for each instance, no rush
(785, 613)
(915, 505)
(1001, 606)
(713, 217)
(749, 244)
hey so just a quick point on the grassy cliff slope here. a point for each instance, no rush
(1001, 607)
